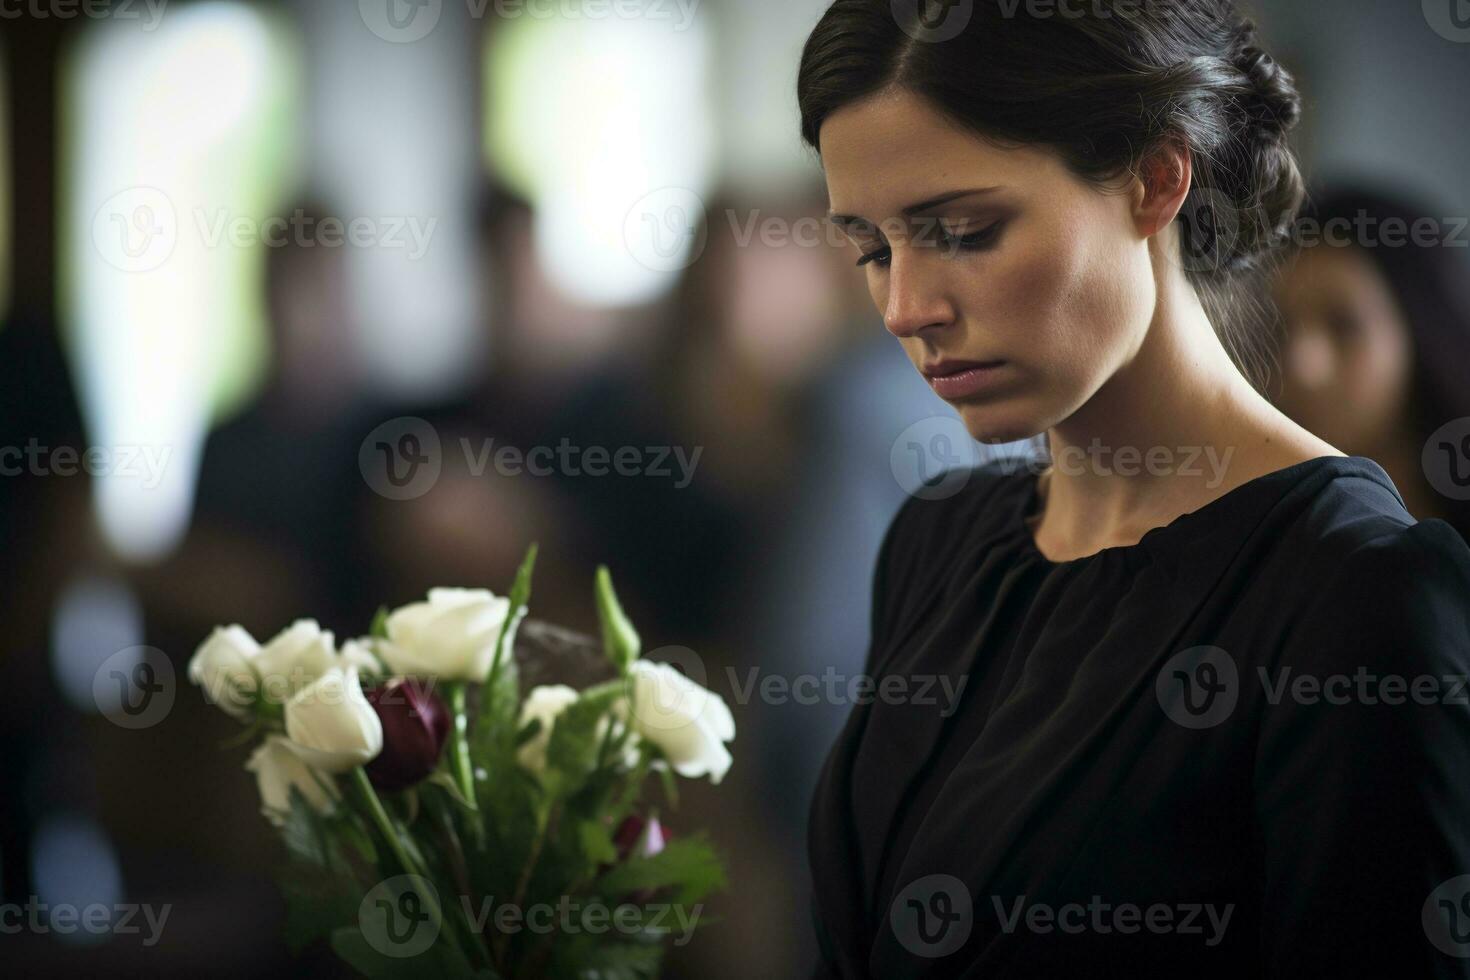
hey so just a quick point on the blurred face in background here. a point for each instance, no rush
(1013, 285)
(1347, 356)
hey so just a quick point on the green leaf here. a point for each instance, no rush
(572, 750)
(532, 729)
(619, 639)
(688, 864)
(316, 903)
(379, 628)
(305, 837)
(583, 955)
(597, 842)
(500, 695)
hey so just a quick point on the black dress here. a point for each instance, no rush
(1238, 748)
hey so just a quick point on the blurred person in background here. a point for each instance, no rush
(1376, 354)
(272, 534)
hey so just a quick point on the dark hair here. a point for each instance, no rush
(1104, 88)
(1430, 281)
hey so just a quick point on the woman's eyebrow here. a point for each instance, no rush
(845, 220)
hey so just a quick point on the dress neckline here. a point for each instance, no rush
(1209, 515)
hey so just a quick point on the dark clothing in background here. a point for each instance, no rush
(1098, 758)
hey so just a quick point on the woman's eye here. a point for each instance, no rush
(977, 239)
(878, 255)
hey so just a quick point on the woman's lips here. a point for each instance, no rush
(952, 380)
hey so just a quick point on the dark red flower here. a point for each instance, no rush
(415, 725)
(637, 837)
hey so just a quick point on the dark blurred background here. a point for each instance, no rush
(281, 280)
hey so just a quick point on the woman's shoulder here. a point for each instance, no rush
(1369, 577)
(1352, 522)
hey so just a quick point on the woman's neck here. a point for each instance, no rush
(1176, 426)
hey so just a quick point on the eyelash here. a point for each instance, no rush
(972, 242)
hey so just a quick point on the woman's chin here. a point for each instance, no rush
(994, 424)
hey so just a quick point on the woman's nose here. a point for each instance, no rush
(916, 297)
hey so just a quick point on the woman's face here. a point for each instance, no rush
(1347, 354)
(980, 255)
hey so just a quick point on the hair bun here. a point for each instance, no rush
(1274, 103)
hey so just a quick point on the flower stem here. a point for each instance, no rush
(390, 834)
(459, 747)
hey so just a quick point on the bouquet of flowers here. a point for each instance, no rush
(439, 817)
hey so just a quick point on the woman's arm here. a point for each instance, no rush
(1362, 791)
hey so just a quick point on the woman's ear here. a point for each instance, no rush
(1163, 183)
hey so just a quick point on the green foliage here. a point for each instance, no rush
(525, 840)
(619, 639)
(688, 865)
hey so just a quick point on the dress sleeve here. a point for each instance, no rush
(1362, 775)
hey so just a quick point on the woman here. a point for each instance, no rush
(1377, 355)
(1178, 735)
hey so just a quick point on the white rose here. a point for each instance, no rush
(452, 636)
(331, 723)
(359, 655)
(277, 768)
(293, 659)
(545, 704)
(222, 667)
(689, 723)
